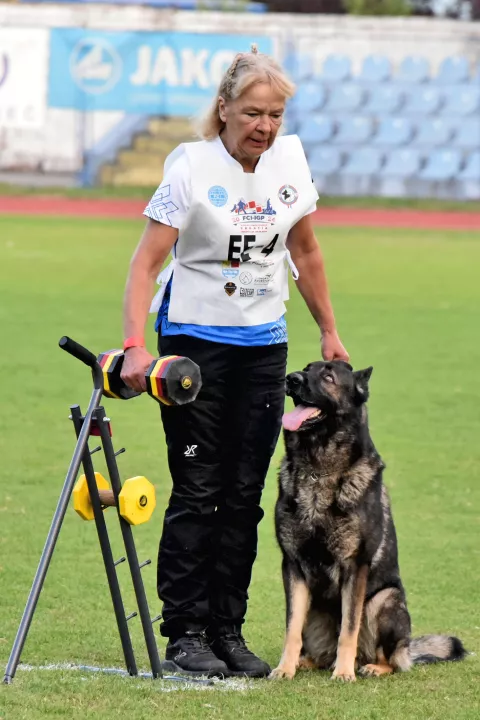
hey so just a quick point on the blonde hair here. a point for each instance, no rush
(246, 70)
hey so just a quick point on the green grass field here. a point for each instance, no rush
(406, 303)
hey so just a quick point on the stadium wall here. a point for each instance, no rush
(60, 139)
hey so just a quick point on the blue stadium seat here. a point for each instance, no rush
(353, 131)
(413, 69)
(316, 129)
(347, 97)
(336, 68)
(462, 100)
(309, 96)
(422, 100)
(393, 131)
(467, 133)
(402, 163)
(363, 161)
(453, 70)
(299, 67)
(471, 171)
(324, 161)
(433, 132)
(442, 165)
(375, 69)
(384, 100)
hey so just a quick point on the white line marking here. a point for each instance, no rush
(165, 685)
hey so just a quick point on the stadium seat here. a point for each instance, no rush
(422, 100)
(471, 171)
(393, 131)
(310, 96)
(363, 161)
(402, 163)
(299, 67)
(467, 134)
(316, 129)
(353, 131)
(413, 69)
(453, 70)
(433, 132)
(324, 161)
(375, 69)
(462, 100)
(345, 98)
(384, 100)
(336, 68)
(442, 165)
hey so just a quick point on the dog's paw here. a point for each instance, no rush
(283, 671)
(372, 670)
(343, 675)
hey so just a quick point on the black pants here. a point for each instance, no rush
(219, 450)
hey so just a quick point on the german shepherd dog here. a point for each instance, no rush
(346, 606)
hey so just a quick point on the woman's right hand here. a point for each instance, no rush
(137, 360)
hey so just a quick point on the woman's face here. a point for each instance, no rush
(252, 121)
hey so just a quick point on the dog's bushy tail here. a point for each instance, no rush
(436, 648)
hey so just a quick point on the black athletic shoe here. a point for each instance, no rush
(231, 648)
(192, 655)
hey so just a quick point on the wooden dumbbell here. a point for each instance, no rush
(171, 380)
(136, 500)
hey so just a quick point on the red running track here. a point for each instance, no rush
(326, 217)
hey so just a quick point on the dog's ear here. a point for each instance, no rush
(361, 378)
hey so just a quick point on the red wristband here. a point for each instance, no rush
(133, 342)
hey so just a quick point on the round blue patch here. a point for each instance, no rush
(218, 196)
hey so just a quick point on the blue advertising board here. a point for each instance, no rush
(141, 72)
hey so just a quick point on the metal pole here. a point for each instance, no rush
(51, 540)
(137, 580)
(106, 550)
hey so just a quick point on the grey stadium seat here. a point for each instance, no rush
(375, 69)
(466, 133)
(384, 100)
(453, 70)
(353, 130)
(324, 161)
(413, 69)
(471, 171)
(433, 132)
(316, 129)
(393, 132)
(363, 161)
(442, 165)
(462, 100)
(422, 100)
(402, 163)
(346, 97)
(310, 96)
(336, 68)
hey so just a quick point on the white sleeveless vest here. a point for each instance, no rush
(230, 256)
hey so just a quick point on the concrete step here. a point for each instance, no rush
(133, 158)
(135, 176)
(175, 128)
(149, 143)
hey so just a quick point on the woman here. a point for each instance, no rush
(234, 209)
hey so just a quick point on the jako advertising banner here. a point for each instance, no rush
(23, 77)
(140, 72)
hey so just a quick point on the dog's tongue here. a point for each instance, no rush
(293, 419)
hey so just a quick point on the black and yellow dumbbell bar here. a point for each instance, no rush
(171, 380)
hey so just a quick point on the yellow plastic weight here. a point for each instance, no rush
(81, 496)
(137, 500)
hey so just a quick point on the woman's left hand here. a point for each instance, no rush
(332, 348)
